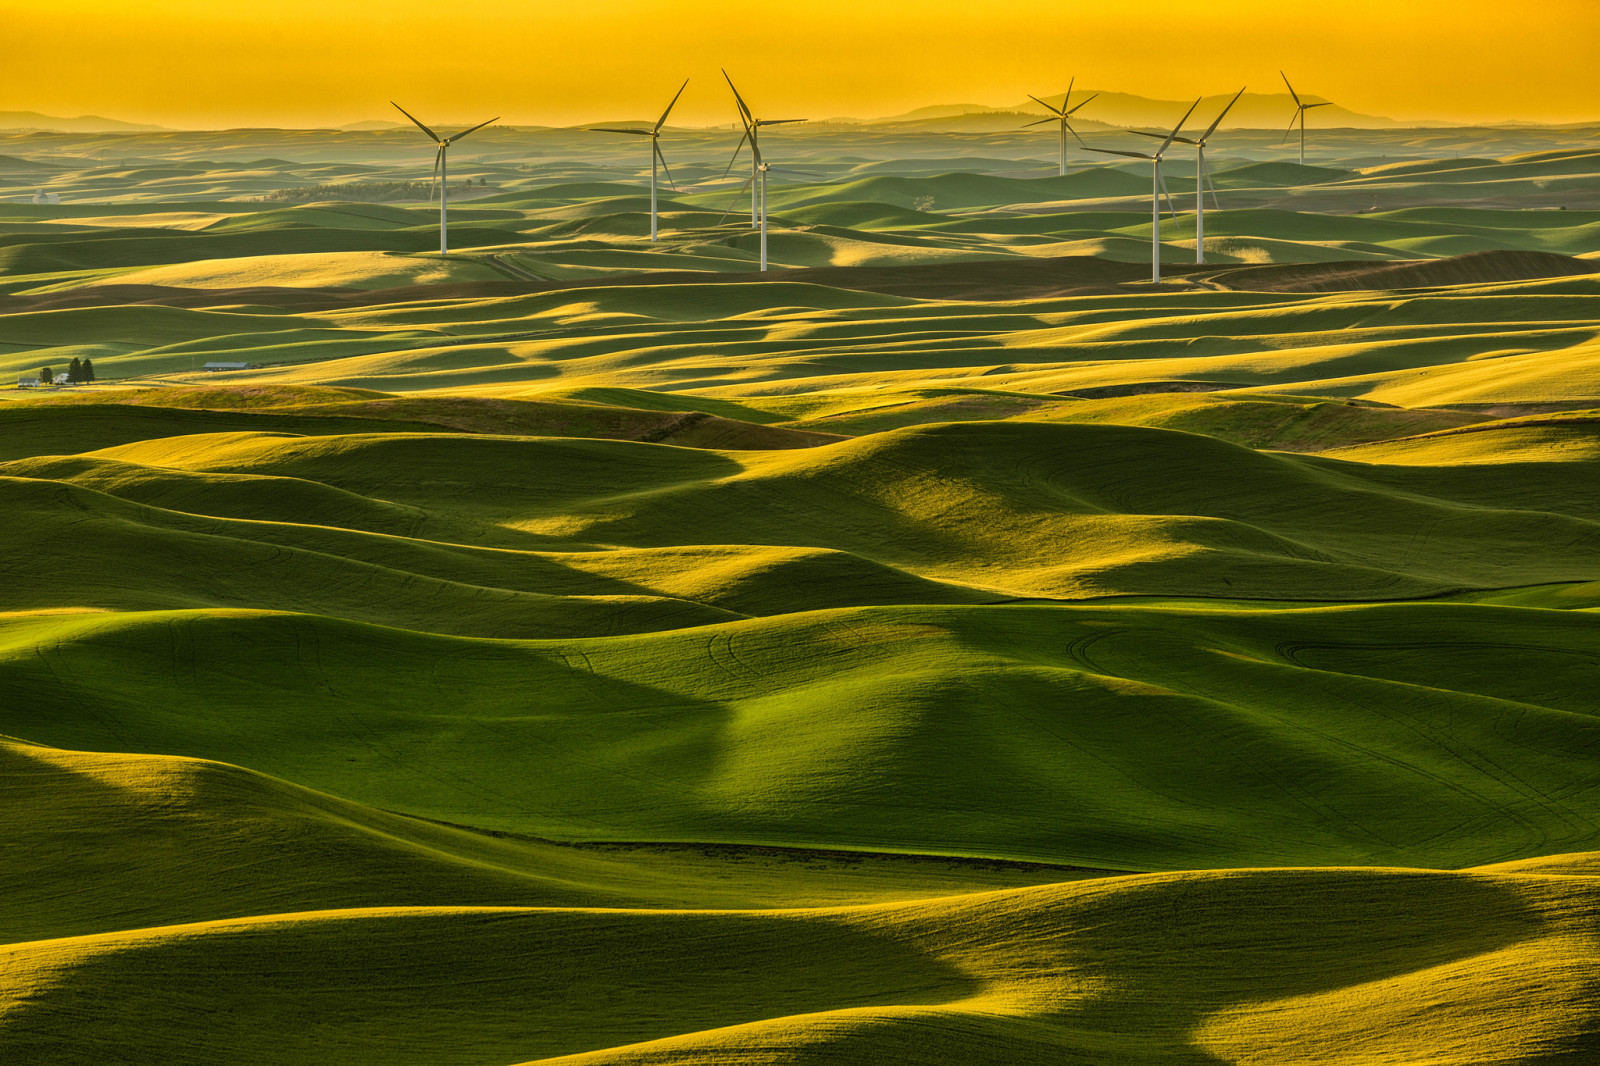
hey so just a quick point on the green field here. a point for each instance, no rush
(948, 647)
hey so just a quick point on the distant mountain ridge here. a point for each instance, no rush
(33, 120)
(1253, 111)
(1115, 109)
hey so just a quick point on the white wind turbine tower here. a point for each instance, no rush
(657, 160)
(1061, 114)
(1300, 110)
(1202, 177)
(441, 171)
(1157, 187)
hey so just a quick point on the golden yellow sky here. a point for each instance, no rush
(207, 63)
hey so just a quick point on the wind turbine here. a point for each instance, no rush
(654, 133)
(441, 171)
(759, 167)
(1202, 177)
(1157, 187)
(1300, 110)
(759, 197)
(1061, 114)
(752, 134)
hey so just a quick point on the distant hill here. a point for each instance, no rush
(939, 111)
(33, 120)
(15, 164)
(1253, 111)
(986, 120)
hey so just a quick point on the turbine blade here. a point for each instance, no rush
(1178, 128)
(1290, 131)
(779, 121)
(474, 129)
(1325, 103)
(663, 160)
(1072, 131)
(662, 121)
(1113, 151)
(735, 198)
(414, 118)
(1162, 136)
(438, 157)
(1292, 93)
(1161, 178)
(736, 152)
(744, 110)
(1214, 201)
(1220, 117)
(1041, 122)
(1072, 81)
(1053, 110)
(1081, 103)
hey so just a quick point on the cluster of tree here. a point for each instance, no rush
(79, 372)
(366, 192)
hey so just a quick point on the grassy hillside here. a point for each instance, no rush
(1020, 509)
(1128, 738)
(944, 647)
(1357, 967)
(151, 841)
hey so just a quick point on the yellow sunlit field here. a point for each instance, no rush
(813, 570)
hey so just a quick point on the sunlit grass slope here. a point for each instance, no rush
(1521, 342)
(1503, 341)
(126, 416)
(294, 544)
(1267, 966)
(105, 842)
(945, 648)
(1276, 421)
(354, 269)
(1021, 509)
(1125, 738)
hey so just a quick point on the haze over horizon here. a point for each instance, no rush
(185, 64)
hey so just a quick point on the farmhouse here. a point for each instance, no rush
(215, 367)
(27, 383)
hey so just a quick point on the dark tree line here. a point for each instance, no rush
(79, 372)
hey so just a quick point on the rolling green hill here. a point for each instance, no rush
(945, 647)
(1128, 738)
(1353, 958)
